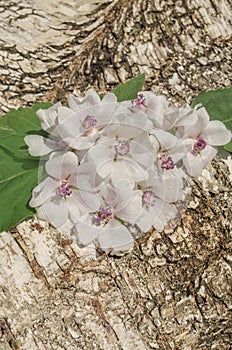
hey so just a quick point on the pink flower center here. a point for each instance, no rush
(167, 162)
(148, 198)
(64, 189)
(199, 144)
(89, 122)
(122, 147)
(139, 102)
(103, 215)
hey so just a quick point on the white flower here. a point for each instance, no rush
(105, 223)
(48, 118)
(80, 129)
(159, 192)
(39, 145)
(200, 141)
(152, 105)
(177, 117)
(124, 150)
(169, 149)
(113, 164)
(66, 192)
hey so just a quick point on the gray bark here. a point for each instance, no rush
(173, 291)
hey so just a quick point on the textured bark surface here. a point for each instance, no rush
(173, 291)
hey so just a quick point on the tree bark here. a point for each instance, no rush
(173, 291)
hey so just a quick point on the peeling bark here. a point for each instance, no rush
(173, 291)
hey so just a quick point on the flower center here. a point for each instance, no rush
(167, 162)
(122, 147)
(139, 102)
(103, 215)
(199, 144)
(148, 199)
(64, 189)
(89, 122)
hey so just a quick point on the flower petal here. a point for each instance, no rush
(216, 134)
(163, 213)
(157, 216)
(109, 97)
(146, 220)
(75, 206)
(86, 232)
(124, 191)
(43, 192)
(133, 209)
(48, 117)
(86, 178)
(156, 107)
(126, 169)
(116, 238)
(194, 130)
(102, 156)
(67, 228)
(90, 201)
(166, 140)
(142, 152)
(108, 193)
(69, 126)
(61, 166)
(178, 152)
(168, 186)
(132, 124)
(54, 211)
(40, 146)
(208, 154)
(194, 164)
(91, 98)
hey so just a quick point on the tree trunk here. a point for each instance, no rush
(173, 291)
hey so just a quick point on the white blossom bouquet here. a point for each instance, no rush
(108, 168)
(111, 164)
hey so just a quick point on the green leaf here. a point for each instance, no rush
(19, 172)
(6, 131)
(218, 104)
(228, 147)
(223, 153)
(129, 90)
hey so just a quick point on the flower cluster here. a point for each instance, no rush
(109, 164)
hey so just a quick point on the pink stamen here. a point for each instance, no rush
(139, 102)
(199, 145)
(148, 199)
(89, 122)
(167, 163)
(122, 147)
(103, 215)
(64, 189)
